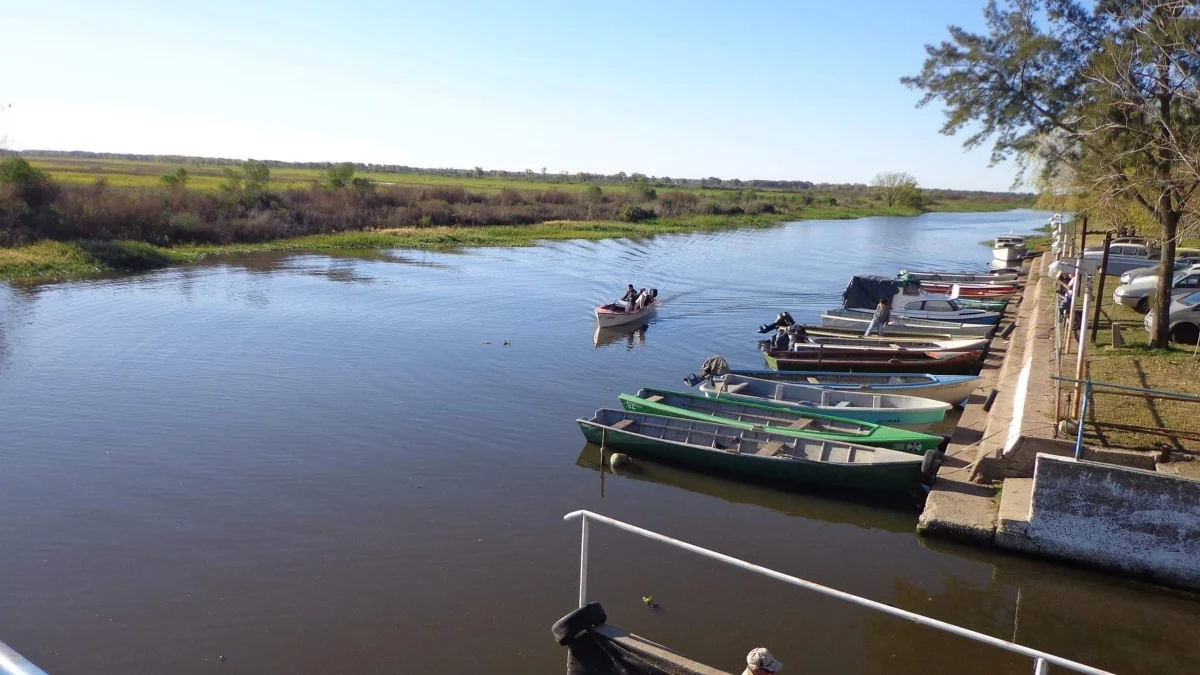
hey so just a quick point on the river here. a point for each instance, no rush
(360, 464)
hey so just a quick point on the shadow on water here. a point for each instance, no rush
(891, 513)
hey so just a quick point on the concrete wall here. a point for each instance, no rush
(1128, 520)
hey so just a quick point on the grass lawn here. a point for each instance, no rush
(1136, 365)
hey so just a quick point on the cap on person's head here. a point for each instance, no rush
(762, 659)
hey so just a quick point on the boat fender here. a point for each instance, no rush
(566, 629)
(944, 444)
(618, 459)
(930, 465)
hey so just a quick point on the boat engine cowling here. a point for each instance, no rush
(783, 320)
(714, 366)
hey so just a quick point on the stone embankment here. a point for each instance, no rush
(1107, 514)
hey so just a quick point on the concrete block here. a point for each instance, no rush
(1135, 522)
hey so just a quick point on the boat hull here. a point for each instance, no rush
(996, 277)
(872, 407)
(952, 363)
(952, 389)
(849, 318)
(903, 477)
(779, 419)
(1007, 254)
(608, 319)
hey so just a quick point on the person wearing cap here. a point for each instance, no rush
(760, 662)
(630, 296)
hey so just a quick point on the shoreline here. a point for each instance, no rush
(49, 260)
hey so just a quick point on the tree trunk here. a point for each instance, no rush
(1160, 337)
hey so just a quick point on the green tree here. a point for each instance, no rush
(1107, 92)
(594, 192)
(910, 196)
(889, 185)
(340, 176)
(177, 178)
(478, 171)
(256, 176)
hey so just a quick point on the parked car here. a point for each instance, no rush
(1184, 319)
(1181, 263)
(1136, 294)
(1121, 241)
(1124, 257)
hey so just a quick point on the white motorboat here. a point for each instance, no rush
(1009, 248)
(619, 313)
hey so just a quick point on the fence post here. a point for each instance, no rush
(1087, 397)
(583, 562)
(1100, 290)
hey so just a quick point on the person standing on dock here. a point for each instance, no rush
(760, 662)
(879, 319)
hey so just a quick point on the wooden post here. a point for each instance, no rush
(1100, 290)
(1083, 235)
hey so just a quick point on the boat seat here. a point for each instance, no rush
(770, 449)
(842, 404)
(655, 398)
(813, 380)
(802, 423)
(623, 424)
(735, 388)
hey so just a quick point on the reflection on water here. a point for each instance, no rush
(336, 463)
(631, 336)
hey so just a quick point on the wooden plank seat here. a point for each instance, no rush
(770, 449)
(655, 399)
(802, 423)
(623, 424)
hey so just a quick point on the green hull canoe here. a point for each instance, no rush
(760, 456)
(974, 303)
(778, 420)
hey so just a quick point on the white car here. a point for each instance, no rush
(1123, 257)
(1181, 263)
(1184, 319)
(1136, 294)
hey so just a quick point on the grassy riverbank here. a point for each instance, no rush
(52, 259)
(64, 215)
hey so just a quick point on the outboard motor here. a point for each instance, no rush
(714, 366)
(782, 321)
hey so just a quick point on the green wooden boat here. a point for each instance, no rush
(759, 455)
(978, 303)
(788, 421)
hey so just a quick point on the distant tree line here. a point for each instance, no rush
(710, 182)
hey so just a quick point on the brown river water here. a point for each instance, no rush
(334, 464)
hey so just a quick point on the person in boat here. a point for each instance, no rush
(761, 662)
(630, 296)
(642, 298)
(880, 318)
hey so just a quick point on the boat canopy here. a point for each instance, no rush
(864, 292)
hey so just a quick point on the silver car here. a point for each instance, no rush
(1181, 263)
(1184, 319)
(1137, 293)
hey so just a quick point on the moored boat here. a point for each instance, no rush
(873, 407)
(953, 389)
(758, 454)
(969, 291)
(998, 276)
(792, 422)
(858, 321)
(979, 303)
(959, 345)
(951, 363)
(1008, 248)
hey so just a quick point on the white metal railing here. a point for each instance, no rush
(12, 663)
(1041, 659)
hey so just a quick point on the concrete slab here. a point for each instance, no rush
(1012, 526)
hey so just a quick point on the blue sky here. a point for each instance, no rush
(799, 89)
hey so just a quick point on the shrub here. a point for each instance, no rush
(177, 178)
(713, 209)
(594, 192)
(734, 210)
(637, 214)
(31, 184)
(340, 176)
(761, 207)
(643, 193)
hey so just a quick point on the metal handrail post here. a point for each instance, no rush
(12, 663)
(1040, 667)
(842, 595)
(1083, 409)
(583, 561)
